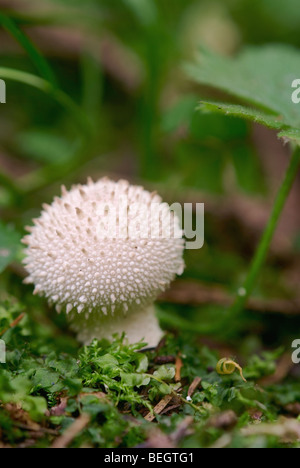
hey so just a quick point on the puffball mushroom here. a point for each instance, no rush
(105, 271)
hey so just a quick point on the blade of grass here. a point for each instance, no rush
(37, 58)
(34, 181)
(92, 87)
(62, 17)
(59, 96)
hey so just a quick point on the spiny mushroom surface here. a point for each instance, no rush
(99, 253)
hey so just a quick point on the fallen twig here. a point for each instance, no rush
(37, 430)
(196, 294)
(66, 438)
(224, 420)
(182, 430)
(283, 368)
(222, 442)
(178, 366)
(283, 428)
(164, 359)
(171, 408)
(157, 439)
(194, 385)
(13, 324)
(158, 408)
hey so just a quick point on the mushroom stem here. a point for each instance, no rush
(137, 325)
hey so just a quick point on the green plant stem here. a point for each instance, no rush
(59, 96)
(227, 323)
(263, 247)
(39, 178)
(92, 85)
(37, 58)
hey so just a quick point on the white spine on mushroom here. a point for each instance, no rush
(105, 283)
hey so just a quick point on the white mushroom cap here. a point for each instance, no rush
(99, 253)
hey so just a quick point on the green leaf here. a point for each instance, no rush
(17, 390)
(45, 147)
(44, 379)
(36, 406)
(106, 362)
(59, 96)
(260, 77)
(235, 110)
(134, 380)
(142, 363)
(165, 373)
(92, 405)
(145, 10)
(9, 245)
